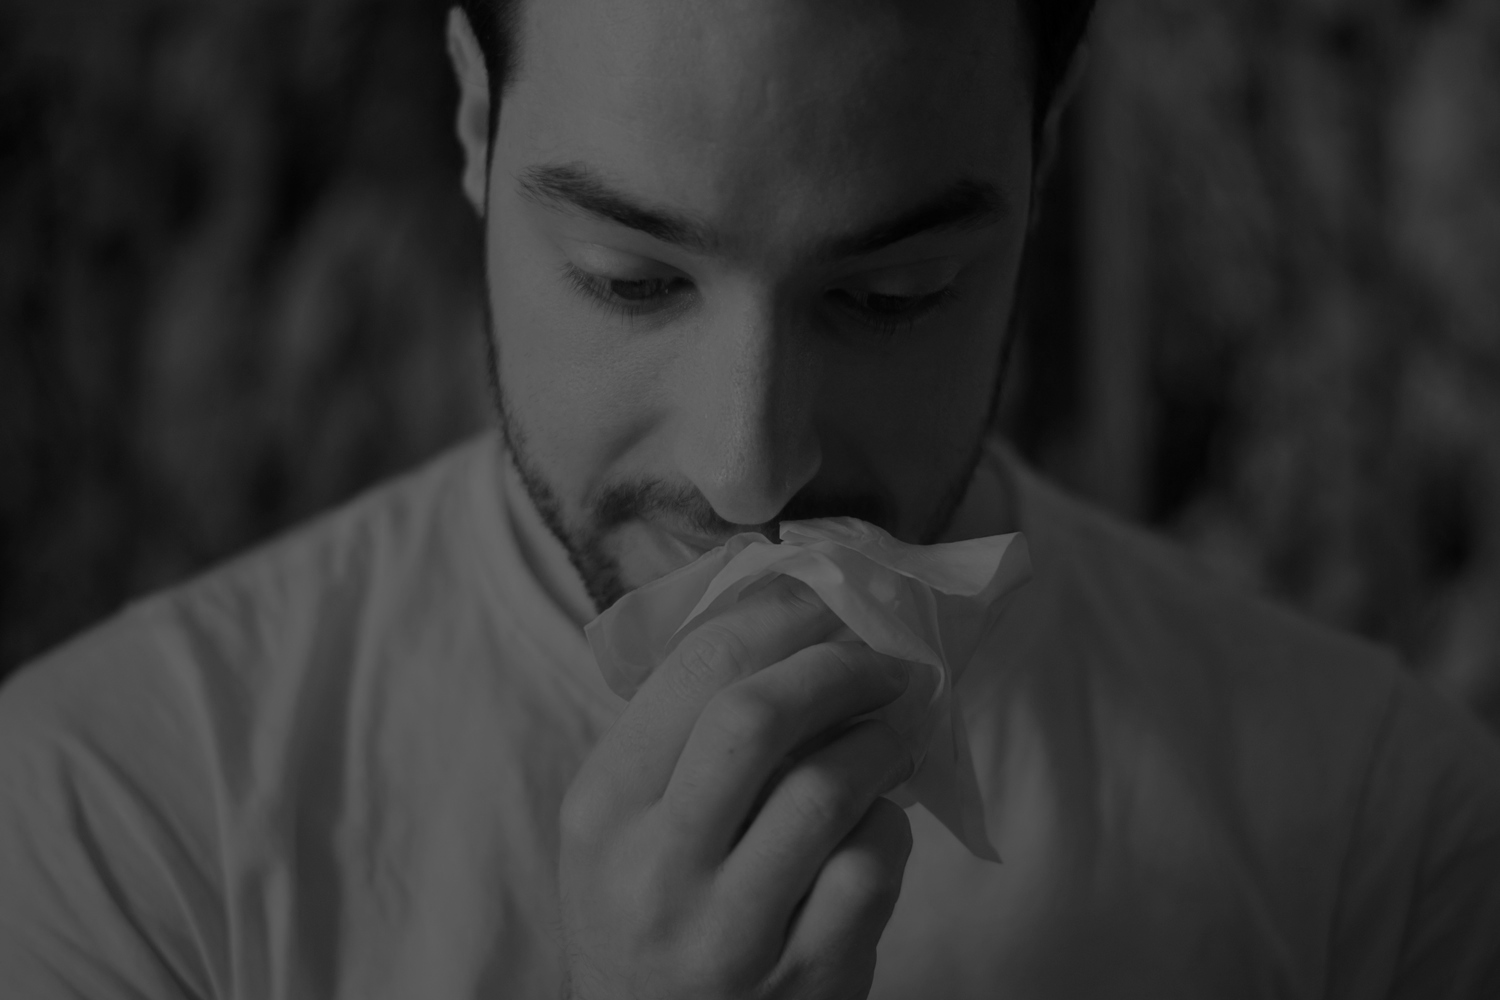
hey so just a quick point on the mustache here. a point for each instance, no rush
(687, 507)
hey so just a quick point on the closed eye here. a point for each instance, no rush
(890, 315)
(626, 296)
(892, 305)
(884, 313)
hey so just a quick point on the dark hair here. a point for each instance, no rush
(1056, 26)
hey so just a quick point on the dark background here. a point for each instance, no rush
(238, 284)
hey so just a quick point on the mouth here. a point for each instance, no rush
(668, 550)
(659, 549)
(697, 544)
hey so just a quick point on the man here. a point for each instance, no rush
(748, 261)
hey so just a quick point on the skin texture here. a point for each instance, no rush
(727, 837)
(760, 387)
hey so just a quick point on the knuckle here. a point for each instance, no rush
(845, 659)
(710, 656)
(744, 715)
(817, 798)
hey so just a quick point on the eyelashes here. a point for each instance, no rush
(886, 316)
(627, 299)
(892, 315)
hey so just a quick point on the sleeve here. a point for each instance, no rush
(1419, 908)
(105, 876)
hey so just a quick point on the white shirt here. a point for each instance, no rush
(332, 768)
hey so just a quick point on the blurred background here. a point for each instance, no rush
(238, 284)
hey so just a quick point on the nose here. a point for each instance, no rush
(748, 439)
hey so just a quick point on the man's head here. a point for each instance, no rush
(749, 260)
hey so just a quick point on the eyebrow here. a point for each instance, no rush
(965, 205)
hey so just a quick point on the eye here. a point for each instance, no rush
(626, 296)
(898, 305)
(892, 314)
(644, 289)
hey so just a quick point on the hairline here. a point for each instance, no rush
(498, 32)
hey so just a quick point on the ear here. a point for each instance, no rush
(1067, 90)
(473, 123)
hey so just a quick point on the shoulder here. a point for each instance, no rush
(201, 650)
(417, 522)
(1365, 797)
(1161, 617)
(1125, 638)
(107, 828)
(131, 755)
(1151, 606)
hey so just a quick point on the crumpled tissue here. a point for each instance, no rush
(929, 605)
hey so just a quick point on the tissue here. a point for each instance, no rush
(929, 605)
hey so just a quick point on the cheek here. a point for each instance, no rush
(932, 394)
(556, 370)
(934, 382)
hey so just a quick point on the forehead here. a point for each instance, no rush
(772, 115)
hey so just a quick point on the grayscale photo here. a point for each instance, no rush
(749, 499)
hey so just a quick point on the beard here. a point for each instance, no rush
(619, 503)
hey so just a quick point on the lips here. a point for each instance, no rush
(697, 543)
(659, 552)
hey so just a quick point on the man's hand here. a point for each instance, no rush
(673, 884)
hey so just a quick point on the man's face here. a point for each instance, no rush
(751, 261)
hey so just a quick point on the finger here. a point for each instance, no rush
(809, 812)
(851, 901)
(640, 751)
(748, 729)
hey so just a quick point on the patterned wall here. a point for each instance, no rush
(1288, 351)
(238, 283)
